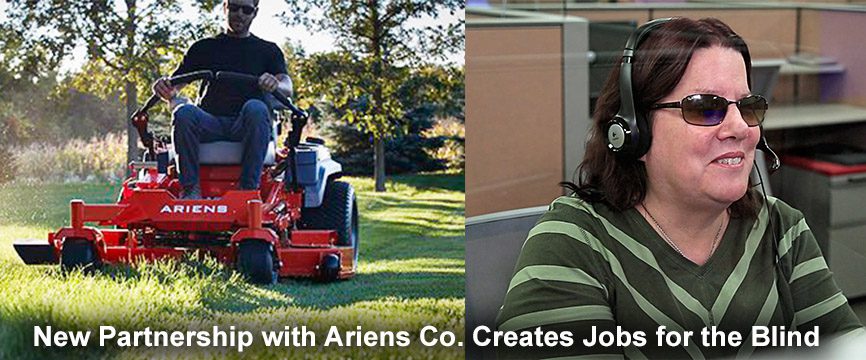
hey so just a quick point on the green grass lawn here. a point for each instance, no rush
(411, 274)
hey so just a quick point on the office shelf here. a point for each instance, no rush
(798, 69)
(796, 116)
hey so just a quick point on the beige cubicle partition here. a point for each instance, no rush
(837, 34)
(524, 132)
(770, 32)
(526, 109)
(640, 15)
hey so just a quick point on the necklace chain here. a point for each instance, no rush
(670, 242)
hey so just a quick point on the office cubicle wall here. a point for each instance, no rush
(837, 34)
(526, 108)
(499, 178)
(493, 242)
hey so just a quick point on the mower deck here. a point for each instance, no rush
(156, 223)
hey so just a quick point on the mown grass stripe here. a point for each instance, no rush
(556, 316)
(763, 319)
(644, 254)
(555, 273)
(575, 232)
(735, 279)
(808, 267)
(820, 309)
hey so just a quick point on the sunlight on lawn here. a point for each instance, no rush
(427, 265)
(411, 274)
(9, 233)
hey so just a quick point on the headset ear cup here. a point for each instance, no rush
(643, 139)
(619, 135)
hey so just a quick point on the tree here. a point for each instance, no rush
(376, 37)
(133, 40)
(428, 93)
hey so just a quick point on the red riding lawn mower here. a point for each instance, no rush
(300, 223)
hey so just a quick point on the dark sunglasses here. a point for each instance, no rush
(710, 110)
(248, 10)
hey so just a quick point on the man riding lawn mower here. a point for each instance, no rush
(300, 222)
(229, 191)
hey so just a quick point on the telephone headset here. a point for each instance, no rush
(628, 135)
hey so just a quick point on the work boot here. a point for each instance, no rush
(191, 193)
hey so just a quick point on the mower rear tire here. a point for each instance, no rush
(339, 211)
(256, 262)
(78, 254)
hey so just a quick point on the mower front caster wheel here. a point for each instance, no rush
(329, 268)
(78, 254)
(256, 262)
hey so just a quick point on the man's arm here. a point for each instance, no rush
(286, 87)
(190, 62)
(276, 65)
(280, 82)
(165, 90)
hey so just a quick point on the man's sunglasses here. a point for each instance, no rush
(710, 110)
(248, 10)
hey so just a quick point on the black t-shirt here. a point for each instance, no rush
(249, 55)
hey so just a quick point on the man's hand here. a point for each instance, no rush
(163, 88)
(268, 82)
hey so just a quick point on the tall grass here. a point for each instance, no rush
(411, 274)
(99, 159)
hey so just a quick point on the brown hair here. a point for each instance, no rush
(659, 63)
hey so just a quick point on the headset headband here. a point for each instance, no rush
(626, 96)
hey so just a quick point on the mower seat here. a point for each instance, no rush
(229, 153)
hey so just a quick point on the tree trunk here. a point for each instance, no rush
(379, 160)
(376, 47)
(132, 152)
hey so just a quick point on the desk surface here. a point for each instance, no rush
(795, 116)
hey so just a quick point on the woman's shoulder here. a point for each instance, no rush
(570, 235)
(571, 223)
(592, 217)
(782, 212)
(575, 210)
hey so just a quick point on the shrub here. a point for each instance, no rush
(407, 152)
(8, 170)
(452, 150)
(98, 159)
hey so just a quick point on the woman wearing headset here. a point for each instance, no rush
(664, 228)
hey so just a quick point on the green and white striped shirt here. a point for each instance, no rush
(586, 265)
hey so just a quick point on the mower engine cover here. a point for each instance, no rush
(315, 168)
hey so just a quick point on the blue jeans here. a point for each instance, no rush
(252, 127)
